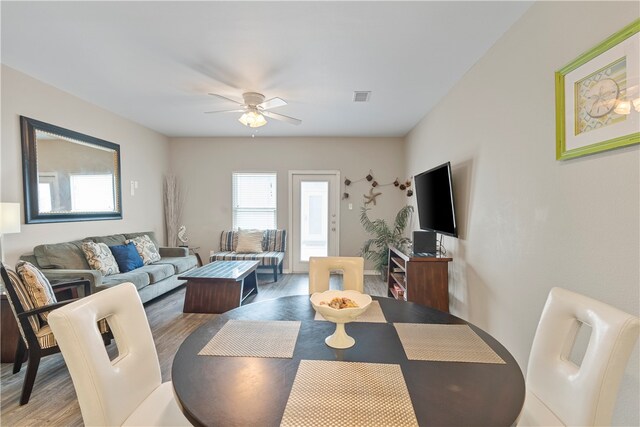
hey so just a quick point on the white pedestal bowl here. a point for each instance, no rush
(340, 339)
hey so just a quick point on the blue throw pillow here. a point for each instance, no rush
(127, 257)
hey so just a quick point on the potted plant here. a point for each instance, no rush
(376, 249)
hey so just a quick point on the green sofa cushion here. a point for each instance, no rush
(157, 272)
(179, 264)
(151, 235)
(112, 240)
(139, 278)
(66, 255)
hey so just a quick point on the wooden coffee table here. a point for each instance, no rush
(219, 286)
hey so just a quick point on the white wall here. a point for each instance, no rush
(204, 167)
(144, 157)
(527, 221)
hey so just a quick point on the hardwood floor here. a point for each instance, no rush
(53, 401)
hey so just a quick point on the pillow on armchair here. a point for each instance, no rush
(249, 241)
(37, 286)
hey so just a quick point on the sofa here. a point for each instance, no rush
(274, 245)
(66, 260)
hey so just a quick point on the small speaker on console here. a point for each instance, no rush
(424, 242)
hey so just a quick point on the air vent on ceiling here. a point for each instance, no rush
(361, 96)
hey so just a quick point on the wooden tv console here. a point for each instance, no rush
(420, 279)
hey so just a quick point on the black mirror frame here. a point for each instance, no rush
(32, 214)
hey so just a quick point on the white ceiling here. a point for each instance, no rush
(154, 62)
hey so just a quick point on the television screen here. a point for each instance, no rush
(434, 195)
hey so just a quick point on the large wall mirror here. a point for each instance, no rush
(68, 176)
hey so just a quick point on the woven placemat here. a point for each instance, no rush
(373, 314)
(445, 343)
(254, 338)
(346, 394)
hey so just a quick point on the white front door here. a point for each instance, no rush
(315, 218)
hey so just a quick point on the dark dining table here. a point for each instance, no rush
(248, 391)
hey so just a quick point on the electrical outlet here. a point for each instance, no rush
(350, 206)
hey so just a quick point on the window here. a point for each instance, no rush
(92, 193)
(254, 200)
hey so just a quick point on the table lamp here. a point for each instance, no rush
(9, 221)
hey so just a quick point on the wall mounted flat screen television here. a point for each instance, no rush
(434, 195)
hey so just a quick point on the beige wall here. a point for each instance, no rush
(528, 222)
(144, 156)
(204, 167)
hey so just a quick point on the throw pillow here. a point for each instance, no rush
(127, 257)
(249, 241)
(228, 240)
(37, 286)
(146, 248)
(100, 258)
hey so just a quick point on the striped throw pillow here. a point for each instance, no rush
(37, 286)
(228, 240)
(275, 241)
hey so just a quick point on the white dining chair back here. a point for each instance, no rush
(127, 390)
(558, 391)
(321, 267)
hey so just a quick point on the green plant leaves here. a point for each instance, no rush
(376, 249)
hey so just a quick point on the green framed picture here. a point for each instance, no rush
(598, 97)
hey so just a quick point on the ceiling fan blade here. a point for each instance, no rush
(241, 110)
(227, 99)
(282, 117)
(272, 103)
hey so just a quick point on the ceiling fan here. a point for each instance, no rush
(254, 109)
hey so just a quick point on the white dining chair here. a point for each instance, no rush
(558, 391)
(127, 390)
(321, 267)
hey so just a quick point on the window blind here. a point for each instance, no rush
(254, 200)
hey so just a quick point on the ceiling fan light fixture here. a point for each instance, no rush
(623, 107)
(253, 119)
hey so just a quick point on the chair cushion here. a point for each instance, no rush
(228, 240)
(37, 286)
(536, 413)
(146, 248)
(47, 339)
(127, 257)
(266, 258)
(100, 258)
(249, 241)
(25, 300)
(158, 409)
(180, 264)
(68, 255)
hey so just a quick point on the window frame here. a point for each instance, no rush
(234, 208)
